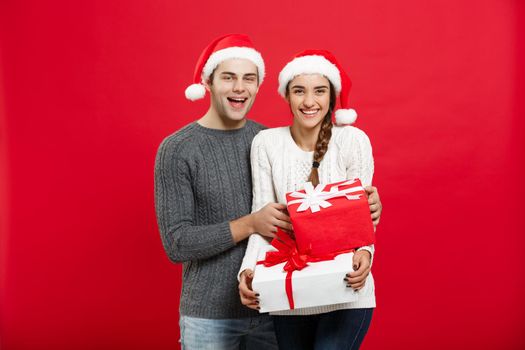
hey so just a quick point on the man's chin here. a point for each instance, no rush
(238, 115)
(233, 119)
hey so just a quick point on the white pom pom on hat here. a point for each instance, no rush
(195, 92)
(321, 62)
(345, 116)
(221, 49)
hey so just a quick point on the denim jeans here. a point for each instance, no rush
(229, 334)
(341, 329)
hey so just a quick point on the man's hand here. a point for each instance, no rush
(356, 279)
(248, 296)
(266, 220)
(375, 204)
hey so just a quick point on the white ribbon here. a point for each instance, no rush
(315, 198)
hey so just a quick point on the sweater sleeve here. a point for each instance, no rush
(262, 183)
(255, 243)
(358, 157)
(174, 205)
(263, 193)
(360, 164)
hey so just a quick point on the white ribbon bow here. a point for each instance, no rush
(315, 198)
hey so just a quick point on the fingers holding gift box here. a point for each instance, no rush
(357, 278)
(248, 296)
(374, 202)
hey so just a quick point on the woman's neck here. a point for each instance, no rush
(306, 139)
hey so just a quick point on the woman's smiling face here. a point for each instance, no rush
(309, 99)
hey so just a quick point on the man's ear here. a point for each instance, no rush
(207, 84)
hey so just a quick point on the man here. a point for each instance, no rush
(203, 201)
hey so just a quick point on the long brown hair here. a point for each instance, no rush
(325, 133)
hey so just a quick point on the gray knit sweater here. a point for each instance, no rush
(203, 181)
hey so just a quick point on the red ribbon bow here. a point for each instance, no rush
(287, 252)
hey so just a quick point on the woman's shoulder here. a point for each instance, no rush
(271, 135)
(347, 133)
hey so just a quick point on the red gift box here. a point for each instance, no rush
(330, 218)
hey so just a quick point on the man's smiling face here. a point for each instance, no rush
(233, 87)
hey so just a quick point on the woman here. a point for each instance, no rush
(312, 149)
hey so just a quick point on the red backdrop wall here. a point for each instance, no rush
(89, 89)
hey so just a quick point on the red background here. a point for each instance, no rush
(89, 89)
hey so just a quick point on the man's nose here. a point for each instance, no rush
(238, 86)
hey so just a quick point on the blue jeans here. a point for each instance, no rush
(341, 329)
(228, 334)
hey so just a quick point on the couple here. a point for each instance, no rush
(204, 177)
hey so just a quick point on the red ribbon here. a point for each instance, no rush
(287, 252)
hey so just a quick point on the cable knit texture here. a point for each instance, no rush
(280, 166)
(202, 182)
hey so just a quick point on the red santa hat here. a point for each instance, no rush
(321, 62)
(221, 49)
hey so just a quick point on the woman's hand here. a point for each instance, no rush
(248, 296)
(356, 279)
(374, 202)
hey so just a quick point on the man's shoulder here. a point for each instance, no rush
(191, 136)
(181, 140)
(253, 125)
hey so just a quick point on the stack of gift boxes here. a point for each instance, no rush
(329, 223)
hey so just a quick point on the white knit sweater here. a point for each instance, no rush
(280, 166)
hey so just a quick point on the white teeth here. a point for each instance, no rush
(237, 99)
(310, 112)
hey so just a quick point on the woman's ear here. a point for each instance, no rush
(287, 95)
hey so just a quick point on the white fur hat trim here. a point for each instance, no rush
(314, 64)
(233, 52)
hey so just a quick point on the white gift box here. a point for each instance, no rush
(320, 283)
